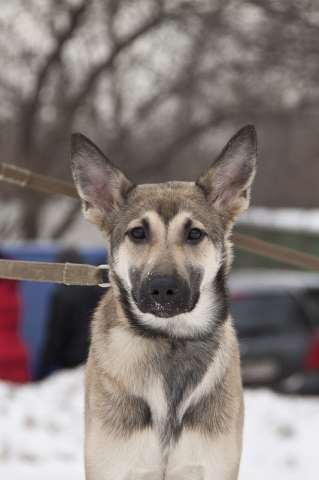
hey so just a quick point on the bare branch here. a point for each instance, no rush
(31, 108)
(108, 62)
(167, 155)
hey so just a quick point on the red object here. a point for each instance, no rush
(13, 354)
(312, 357)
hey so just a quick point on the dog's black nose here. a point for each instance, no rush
(163, 289)
(164, 295)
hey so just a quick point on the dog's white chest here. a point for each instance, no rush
(164, 413)
(154, 395)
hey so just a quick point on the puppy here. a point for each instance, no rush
(163, 386)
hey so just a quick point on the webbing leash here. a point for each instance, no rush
(21, 177)
(65, 273)
(282, 254)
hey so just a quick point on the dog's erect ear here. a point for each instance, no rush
(101, 186)
(228, 180)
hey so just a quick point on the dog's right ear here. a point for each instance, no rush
(101, 186)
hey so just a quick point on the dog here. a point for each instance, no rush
(163, 386)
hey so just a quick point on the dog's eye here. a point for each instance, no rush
(195, 235)
(137, 233)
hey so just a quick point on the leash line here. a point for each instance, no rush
(24, 178)
(65, 273)
(276, 252)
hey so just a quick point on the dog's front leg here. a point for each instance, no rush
(132, 457)
(189, 472)
(204, 457)
(146, 475)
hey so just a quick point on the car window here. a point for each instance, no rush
(267, 314)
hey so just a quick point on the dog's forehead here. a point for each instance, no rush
(167, 199)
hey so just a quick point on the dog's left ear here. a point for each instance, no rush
(101, 186)
(228, 181)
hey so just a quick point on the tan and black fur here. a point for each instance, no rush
(163, 387)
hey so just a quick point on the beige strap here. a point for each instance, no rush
(66, 273)
(25, 178)
(277, 252)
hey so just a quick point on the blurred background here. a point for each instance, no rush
(160, 86)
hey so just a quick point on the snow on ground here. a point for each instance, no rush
(41, 433)
(41, 429)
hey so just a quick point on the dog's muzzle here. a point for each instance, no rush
(164, 296)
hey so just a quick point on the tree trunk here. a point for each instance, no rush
(30, 221)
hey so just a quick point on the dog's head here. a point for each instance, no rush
(167, 242)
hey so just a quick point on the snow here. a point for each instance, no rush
(281, 435)
(41, 428)
(282, 219)
(41, 432)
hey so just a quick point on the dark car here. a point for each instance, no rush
(276, 315)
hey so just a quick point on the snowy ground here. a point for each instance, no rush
(41, 434)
